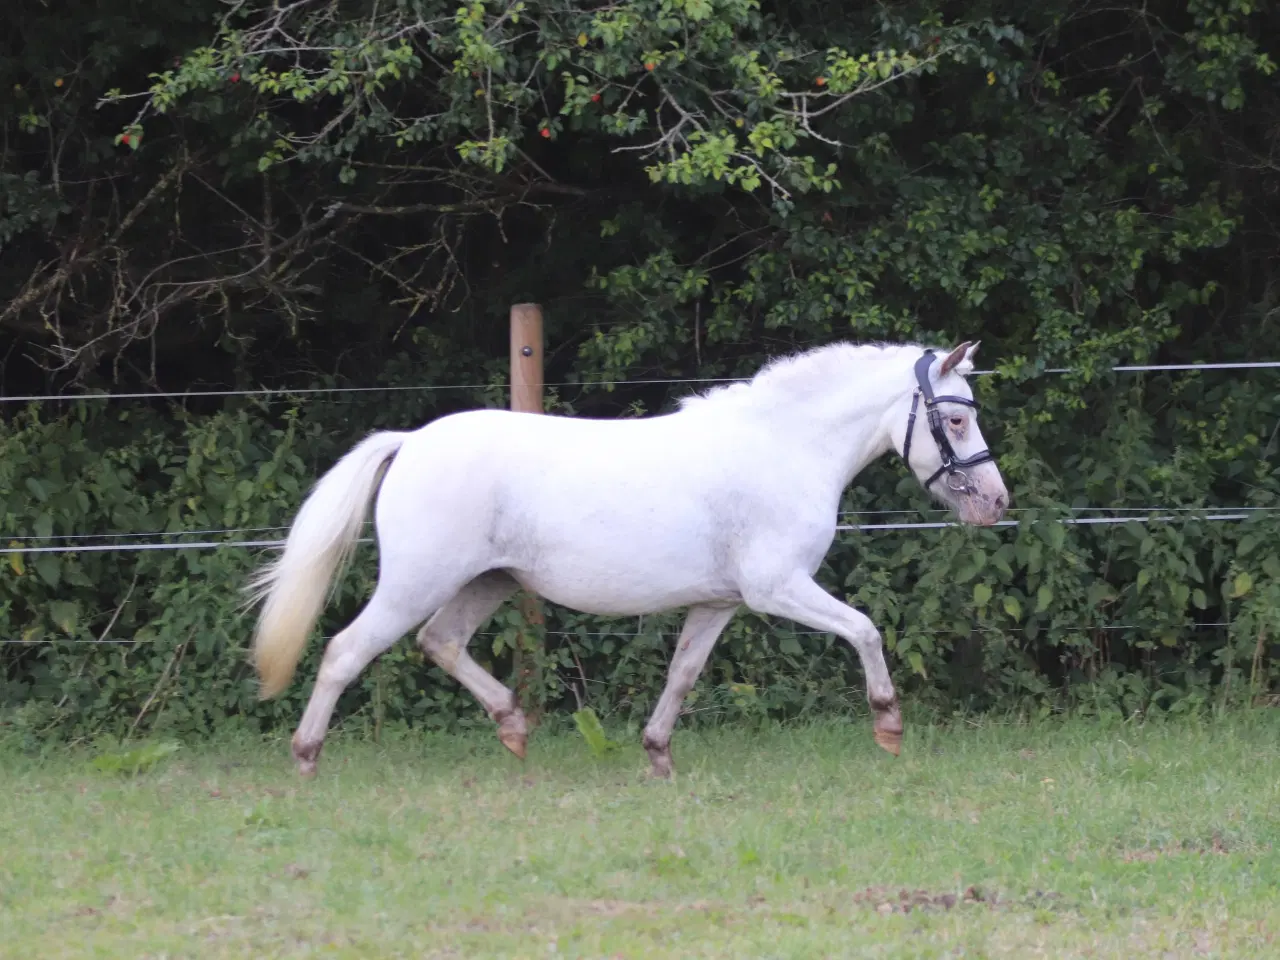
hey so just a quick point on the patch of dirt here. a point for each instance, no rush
(616, 908)
(1217, 846)
(886, 901)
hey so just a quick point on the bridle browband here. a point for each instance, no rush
(952, 465)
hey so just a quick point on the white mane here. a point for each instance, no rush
(803, 373)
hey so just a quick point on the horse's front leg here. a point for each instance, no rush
(801, 599)
(701, 629)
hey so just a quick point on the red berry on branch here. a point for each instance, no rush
(235, 78)
(546, 133)
(125, 139)
(595, 98)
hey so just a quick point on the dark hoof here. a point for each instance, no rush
(659, 760)
(306, 755)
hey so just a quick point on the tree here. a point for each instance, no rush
(300, 192)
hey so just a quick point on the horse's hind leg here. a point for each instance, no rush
(444, 639)
(380, 624)
(701, 629)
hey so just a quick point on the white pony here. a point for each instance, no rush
(730, 500)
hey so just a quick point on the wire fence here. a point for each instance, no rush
(434, 387)
(1068, 521)
(289, 392)
(901, 511)
(1233, 513)
(17, 544)
(772, 628)
(1147, 514)
(1139, 515)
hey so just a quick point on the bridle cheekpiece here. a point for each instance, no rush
(952, 465)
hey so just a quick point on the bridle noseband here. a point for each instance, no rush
(952, 465)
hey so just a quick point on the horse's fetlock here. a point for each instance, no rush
(650, 742)
(883, 704)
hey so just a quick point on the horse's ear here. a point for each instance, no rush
(960, 359)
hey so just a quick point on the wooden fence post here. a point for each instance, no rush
(526, 397)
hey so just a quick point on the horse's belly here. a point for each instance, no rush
(624, 582)
(620, 595)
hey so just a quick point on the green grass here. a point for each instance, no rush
(1061, 840)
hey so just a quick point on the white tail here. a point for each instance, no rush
(324, 533)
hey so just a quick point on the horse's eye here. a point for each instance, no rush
(957, 422)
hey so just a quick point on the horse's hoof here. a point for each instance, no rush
(659, 761)
(888, 727)
(890, 741)
(513, 732)
(515, 742)
(306, 755)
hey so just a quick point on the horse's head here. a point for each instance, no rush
(938, 434)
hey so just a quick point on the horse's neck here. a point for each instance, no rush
(856, 435)
(845, 430)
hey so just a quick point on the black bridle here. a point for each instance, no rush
(952, 465)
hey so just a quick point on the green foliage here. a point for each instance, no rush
(589, 726)
(354, 194)
(130, 763)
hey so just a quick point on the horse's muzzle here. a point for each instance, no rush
(983, 511)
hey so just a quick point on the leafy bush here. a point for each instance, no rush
(1079, 185)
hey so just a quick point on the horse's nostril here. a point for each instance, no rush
(1001, 503)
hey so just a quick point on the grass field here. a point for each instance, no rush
(1062, 840)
